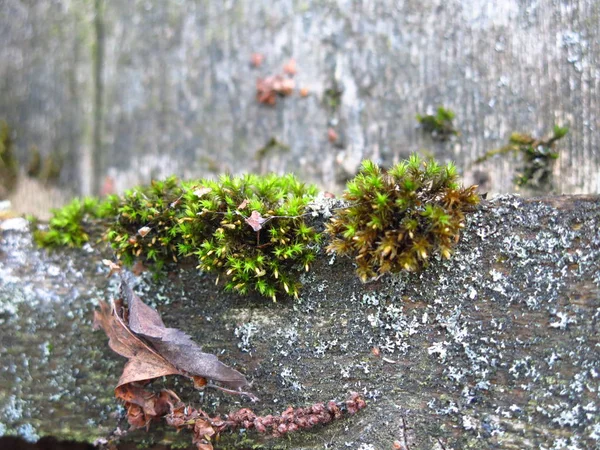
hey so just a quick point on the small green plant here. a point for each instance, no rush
(72, 224)
(145, 223)
(538, 157)
(251, 230)
(439, 125)
(398, 218)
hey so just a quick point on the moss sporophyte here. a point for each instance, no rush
(398, 218)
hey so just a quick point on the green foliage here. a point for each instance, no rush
(398, 218)
(144, 225)
(249, 229)
(439, 125)
(217, 227)
(72, 224)
(538, 156)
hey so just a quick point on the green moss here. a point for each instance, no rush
(251, 230)
(439, 125)
(144, 225)
(332, 97)
(72, 225)
(397, 219)
(263, 256)
(538, 156)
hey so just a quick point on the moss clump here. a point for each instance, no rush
(251, 230)
(398, 218)
(538, 156)
(144, 225)
(439, 125)
(72, 225)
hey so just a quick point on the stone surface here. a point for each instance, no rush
(141, 89)
(496, 348)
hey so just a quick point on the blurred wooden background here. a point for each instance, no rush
(119, 92)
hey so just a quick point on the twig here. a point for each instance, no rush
(404, 433)
(441, 443)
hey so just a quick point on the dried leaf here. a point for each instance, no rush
(243, 204)
(114, 267)
(144, 231)
(177, 347)
(144, 362)
(201, 192)
(155, 351)
(256, 221)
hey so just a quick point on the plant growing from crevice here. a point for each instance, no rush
(251, 230)
(538, 156)
(73, 224)
(440, 125)
(397, 219)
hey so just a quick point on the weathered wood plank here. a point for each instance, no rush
(178, 91)
(496, 348)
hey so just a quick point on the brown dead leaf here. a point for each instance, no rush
(154, 351)
(256, 221)
(114, 267)
(243, 204)
(144, 231)
(176, 347)
(144, 362)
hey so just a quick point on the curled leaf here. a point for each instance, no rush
(154, 351)
(176, 346)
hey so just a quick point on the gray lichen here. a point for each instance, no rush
(497, 343)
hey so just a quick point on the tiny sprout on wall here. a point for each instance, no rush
(538, 157)
(400, 217)
(439, 125)
(251, 230)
